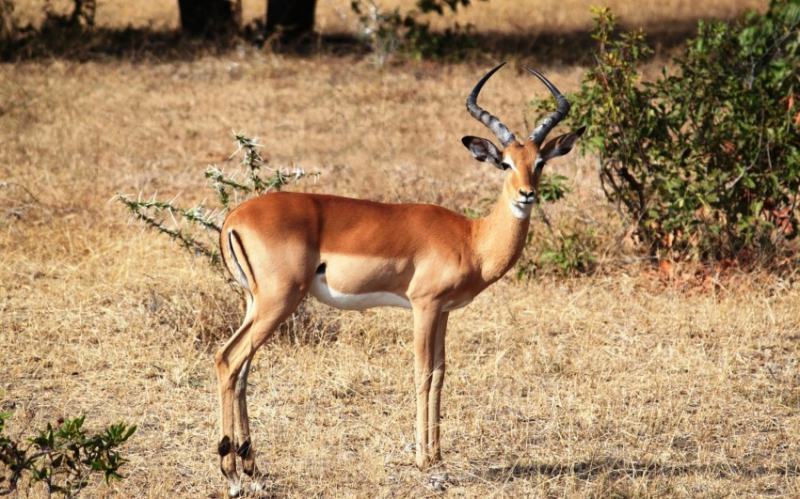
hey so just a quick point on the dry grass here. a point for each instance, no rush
(604, 386)
(501, 15)
(547, 32)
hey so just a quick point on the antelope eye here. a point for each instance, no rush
(504, 165)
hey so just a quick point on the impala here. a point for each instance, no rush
(355, 254)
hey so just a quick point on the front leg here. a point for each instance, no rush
(426, 323)
(437, 382)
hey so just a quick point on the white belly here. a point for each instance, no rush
(455, 305)
(329, 296)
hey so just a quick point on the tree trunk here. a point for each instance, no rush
(290, 18)
(209, 17)
(6, 22)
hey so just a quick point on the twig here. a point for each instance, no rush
(7, 185)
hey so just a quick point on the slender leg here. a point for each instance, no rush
(230, 362)
(426, 319)
(245, 449)
(226, 447)
(437, 382)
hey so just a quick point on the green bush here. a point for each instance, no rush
(565, 251)
(62, 457)
(704, 161)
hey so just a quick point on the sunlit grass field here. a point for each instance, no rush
(613, 385)
(488, 15)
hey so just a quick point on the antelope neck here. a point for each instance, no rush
(500, 237)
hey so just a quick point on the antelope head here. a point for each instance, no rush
(524, 161)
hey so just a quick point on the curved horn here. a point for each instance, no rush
(499, 129)
(562, 108)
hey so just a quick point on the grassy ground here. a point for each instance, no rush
(336, 15)
(602, 386)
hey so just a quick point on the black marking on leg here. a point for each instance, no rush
(224, 448)
(245, 451)
(321, 268)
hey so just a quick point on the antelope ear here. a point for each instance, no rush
(559, 146)
(483, 150)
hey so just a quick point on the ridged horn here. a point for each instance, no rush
(562, 108)
(498, 128)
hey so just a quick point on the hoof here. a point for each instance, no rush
(238, 490)
(439, 481)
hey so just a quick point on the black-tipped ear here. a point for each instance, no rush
(560, 145)
(483, 150)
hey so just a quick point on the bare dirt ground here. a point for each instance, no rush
(611, 385)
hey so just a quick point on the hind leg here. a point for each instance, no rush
(226, 446)
(232, 365)
(245, 449)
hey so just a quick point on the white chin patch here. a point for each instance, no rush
(343, 301)
(521, 210)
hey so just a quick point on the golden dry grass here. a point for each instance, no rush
(493, 15)
(606, 386)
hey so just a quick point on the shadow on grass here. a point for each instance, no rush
(144, 44)
(617, 468)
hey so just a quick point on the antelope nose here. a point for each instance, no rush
(527, 194)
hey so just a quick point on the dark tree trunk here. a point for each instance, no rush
(209, 17)
(290, 18)
(6, 23)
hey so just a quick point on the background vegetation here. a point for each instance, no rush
(703, 163)
(652, 375)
